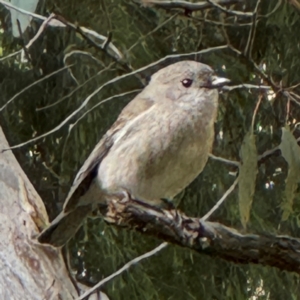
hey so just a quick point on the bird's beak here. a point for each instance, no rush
(218, 82)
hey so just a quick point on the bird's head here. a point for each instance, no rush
(187, 82)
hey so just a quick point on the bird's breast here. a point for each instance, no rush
(159, 155)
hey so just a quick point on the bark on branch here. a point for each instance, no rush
(210, 238)
(185, 5)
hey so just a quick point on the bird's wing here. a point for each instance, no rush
(89, 169)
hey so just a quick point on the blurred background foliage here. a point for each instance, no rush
(144, 34)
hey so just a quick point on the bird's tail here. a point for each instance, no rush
(64, 226)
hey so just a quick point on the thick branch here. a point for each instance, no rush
(28, 270)
(208, 238)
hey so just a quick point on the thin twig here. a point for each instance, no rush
(246, 86)
(251, 36)
(209, 21)
(124, 268)
(108, 19)
(273, 11)
(102, 102)
(288, 105)
(75, 89)
(263, 74)
(277, 89)
(292, 87)
(79, 119)
(51, 171)
(141, 38)
(107, 42)
(231, 12)
(25, 50)
(219, 203)
(267, 153)
(255, 112)
(224, 160)
(54, 21)
(291, 96)
(185, 4)
(33, 84)
(269, 80)
(40, 31)
(79, 52)
(112, 81)
(11, 54)
(116, 56)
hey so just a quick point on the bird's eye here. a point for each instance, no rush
(187, 82)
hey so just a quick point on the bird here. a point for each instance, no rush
(158, 145)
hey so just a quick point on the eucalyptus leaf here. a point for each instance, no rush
(247, 176)
(291, 153)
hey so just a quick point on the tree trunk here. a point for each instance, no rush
(28, 270)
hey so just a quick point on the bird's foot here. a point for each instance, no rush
(167, 204)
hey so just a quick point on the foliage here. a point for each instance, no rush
(145, 34)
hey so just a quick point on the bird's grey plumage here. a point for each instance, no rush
(157, 146)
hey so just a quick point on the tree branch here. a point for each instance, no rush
(186, 5)
(210, 238)
(161, 61)
(28, 270)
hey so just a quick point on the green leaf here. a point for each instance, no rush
(82, 135)
(247, 176)
(291, 153)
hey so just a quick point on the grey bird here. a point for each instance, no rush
(158, 145)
